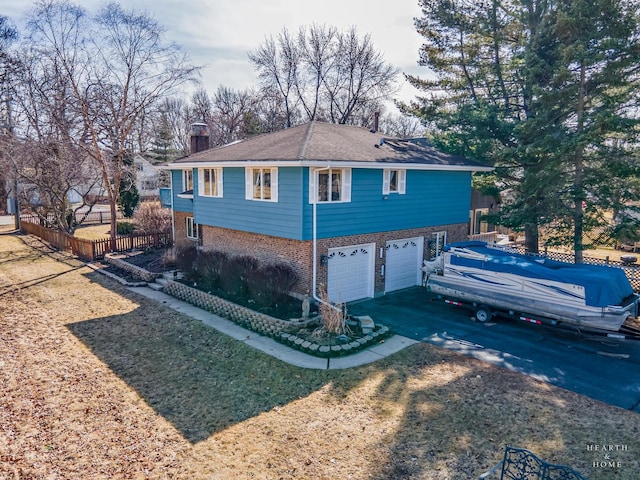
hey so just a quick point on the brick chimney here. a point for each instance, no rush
(199, 137)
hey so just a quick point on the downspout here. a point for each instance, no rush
(315, 241)
(173, 212)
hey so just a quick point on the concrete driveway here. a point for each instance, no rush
(601, 368)
(7, 220)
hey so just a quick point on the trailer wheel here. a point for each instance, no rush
(483, 314)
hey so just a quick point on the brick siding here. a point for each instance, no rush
(455, 233)
(180, 227)
(298, 254)
(266, 249)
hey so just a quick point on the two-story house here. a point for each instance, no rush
(147, 177)
(345, 207)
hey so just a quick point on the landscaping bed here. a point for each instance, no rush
(282, 320)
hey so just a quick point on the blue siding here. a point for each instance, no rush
(165, 197)
(281, 219)
(431, 199)
(180, 204)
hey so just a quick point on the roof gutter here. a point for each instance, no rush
(320, 164)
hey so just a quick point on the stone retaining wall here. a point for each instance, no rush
(139, 272)
(283, 331)
(246, 317)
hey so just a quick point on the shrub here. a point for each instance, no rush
(125, 228)
(211, 266)
(151, 217)
(186, 255)
(271, 283)
(235, 274)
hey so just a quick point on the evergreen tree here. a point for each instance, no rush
(128, 198)
(540, 89)
(163, 141)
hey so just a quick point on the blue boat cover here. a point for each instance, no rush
(603, 285)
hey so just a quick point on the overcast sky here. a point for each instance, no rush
(217, 34)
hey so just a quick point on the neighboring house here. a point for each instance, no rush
(344, 206)
(481, 205)
(147, 177)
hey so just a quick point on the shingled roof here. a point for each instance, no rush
(319, 143)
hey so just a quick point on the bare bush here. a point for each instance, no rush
(236, 273)
(270, 284)
(334, 317)
(211, 266)
(186, 255)
(151, 217)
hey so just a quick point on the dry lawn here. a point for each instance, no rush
(93, 232)
(99, 383)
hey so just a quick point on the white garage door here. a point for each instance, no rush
(403, 262)
(350, 272)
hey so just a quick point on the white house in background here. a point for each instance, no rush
(147, 177)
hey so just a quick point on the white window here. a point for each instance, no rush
(192, 228)
(210, 182)
(330, 185)
(187, 180)
(394, 181)
(261, 184)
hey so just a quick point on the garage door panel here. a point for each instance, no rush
(350, 273)
(403, 262)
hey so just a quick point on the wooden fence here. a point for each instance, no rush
(91, 218)
(93, 249)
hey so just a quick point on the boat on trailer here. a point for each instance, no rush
(494, 280)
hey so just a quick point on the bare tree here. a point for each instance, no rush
(329, 75)
(277, 64)
(176, 111)
(201, 106)
(169, 133)
(49, 175)
(271, 111)
(49, 167)
(117, 68)
(402, 126)
(231, 111)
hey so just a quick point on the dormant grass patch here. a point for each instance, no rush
(96, 382)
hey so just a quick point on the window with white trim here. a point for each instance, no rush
(394, 181)
(330, 185)
(261, 184)
(210, 182)
(187, 180)
(191, 228)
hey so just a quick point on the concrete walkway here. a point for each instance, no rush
(269, 346)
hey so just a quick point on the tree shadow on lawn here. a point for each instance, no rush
(459, 413)
(197, 378)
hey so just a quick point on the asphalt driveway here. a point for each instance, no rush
(601, 368)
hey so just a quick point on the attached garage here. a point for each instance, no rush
(350, 272)
(403, 262)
